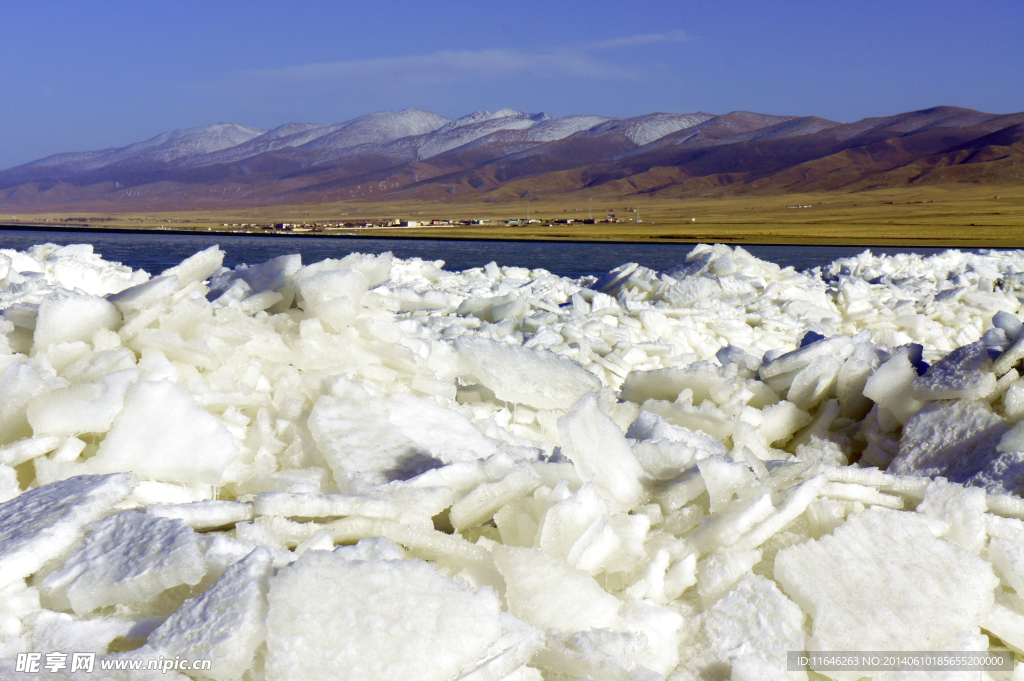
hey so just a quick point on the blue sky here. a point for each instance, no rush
(84, 75)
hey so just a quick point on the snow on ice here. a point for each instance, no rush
(374, 468)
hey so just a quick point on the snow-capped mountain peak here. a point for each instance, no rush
(643, 130)
(379, 128)
(176, 144)
(482, 116)
(287, 135)
(164, 148)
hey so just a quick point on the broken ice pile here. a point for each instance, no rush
(374, 468)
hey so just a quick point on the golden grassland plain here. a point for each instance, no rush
(955, 215)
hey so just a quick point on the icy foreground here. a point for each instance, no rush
(373, 468)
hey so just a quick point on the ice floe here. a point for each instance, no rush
(374, 468)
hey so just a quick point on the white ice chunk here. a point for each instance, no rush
(374, 548)
(964, 374)
(480, 505)
(659, 629)
(1010, 529)
(575, 528)
(962, 507)
(723, 478)
(397, 619)
(688, 487)
(650, 426)
(332, 294)
(781, 421)
(853, 378)
(129, 557)
(650, 583)
(161, 434)
(955, 440)
(324, 505)
(323, 540)
(815, 382)
(150, 492)
(795, 502)
(424, 500)
(665, 450)
(376, 268)
(1005, 621)
(274, 275)
(362, 446)
(1012, 440)
(60, 631)
(904, 486)
(599, 654)
(892, 385)
(21, 451)
(205, 515)
(825, 515)
(507, 657)
(912, 591)
(754, 622)
(719, 572)
(1009, 324)
(781, 371)
(725, 527)
(732, 354)
(865, 494)
(444, 433)
(42, 524)
(9, 487)
(226, 624)
(511, 372)
(19, 383)
(82, 408)
(1005, 505)
(1008, 558)
(1010, 357)
(145, 295)
(665, 459)
(703, 379)
(198, 267)
(679, 577)
(550, 594)
(601, 454)
(64, 319)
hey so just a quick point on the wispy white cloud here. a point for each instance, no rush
(451, 71)
(674, 36)
(445, 66)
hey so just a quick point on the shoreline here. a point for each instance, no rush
(829, 236)
(951, 216)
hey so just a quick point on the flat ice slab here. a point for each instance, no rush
(398, 620)
(41, 525)
(129, 557)
(226, 624)
(162, 434)
(885, 581)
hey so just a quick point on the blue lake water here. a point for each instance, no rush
(157, 251)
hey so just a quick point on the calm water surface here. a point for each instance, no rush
(155, 252)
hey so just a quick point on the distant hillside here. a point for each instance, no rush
(415, 154)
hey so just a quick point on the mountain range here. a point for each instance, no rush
(506, 154)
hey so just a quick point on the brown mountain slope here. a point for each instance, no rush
(830, 159)
(736, 152)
